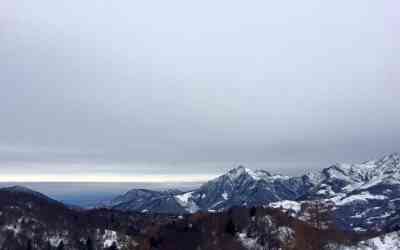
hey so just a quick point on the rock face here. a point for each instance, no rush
(364, 195)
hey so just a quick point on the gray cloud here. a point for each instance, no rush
(197, 87)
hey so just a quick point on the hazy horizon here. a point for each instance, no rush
(91, 193)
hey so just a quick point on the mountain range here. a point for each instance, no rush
(364, 196)
(32, 221)
(242, 209)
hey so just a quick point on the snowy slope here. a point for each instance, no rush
(389, 241)
(367, 195)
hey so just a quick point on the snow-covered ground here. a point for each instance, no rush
(55, 240)
(389, 241)
(247, 242)
(287, 205)
(109, 237)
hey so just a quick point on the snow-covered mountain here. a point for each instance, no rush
(238, 187)
(365, 195)
(362, 197)
(31, 220)
(243, 187)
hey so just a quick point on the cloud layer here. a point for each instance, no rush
(195, 88)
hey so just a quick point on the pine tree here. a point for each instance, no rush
(89, 244)
(113, 246)
(320, 214)
(230, 227)
(253, 211)
(60, 246)
(29, 245)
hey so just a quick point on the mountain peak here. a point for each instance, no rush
(235, 173)
(394, 157)
(389, 164)
(239, 168)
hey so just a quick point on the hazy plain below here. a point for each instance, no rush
(87, 194)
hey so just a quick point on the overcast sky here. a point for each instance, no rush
(184, 90)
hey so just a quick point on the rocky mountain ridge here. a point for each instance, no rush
(363, 194)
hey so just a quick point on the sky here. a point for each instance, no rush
(181, 91)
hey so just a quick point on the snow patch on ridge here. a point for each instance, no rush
(186, 201)
(363, 197)
(287, 205)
